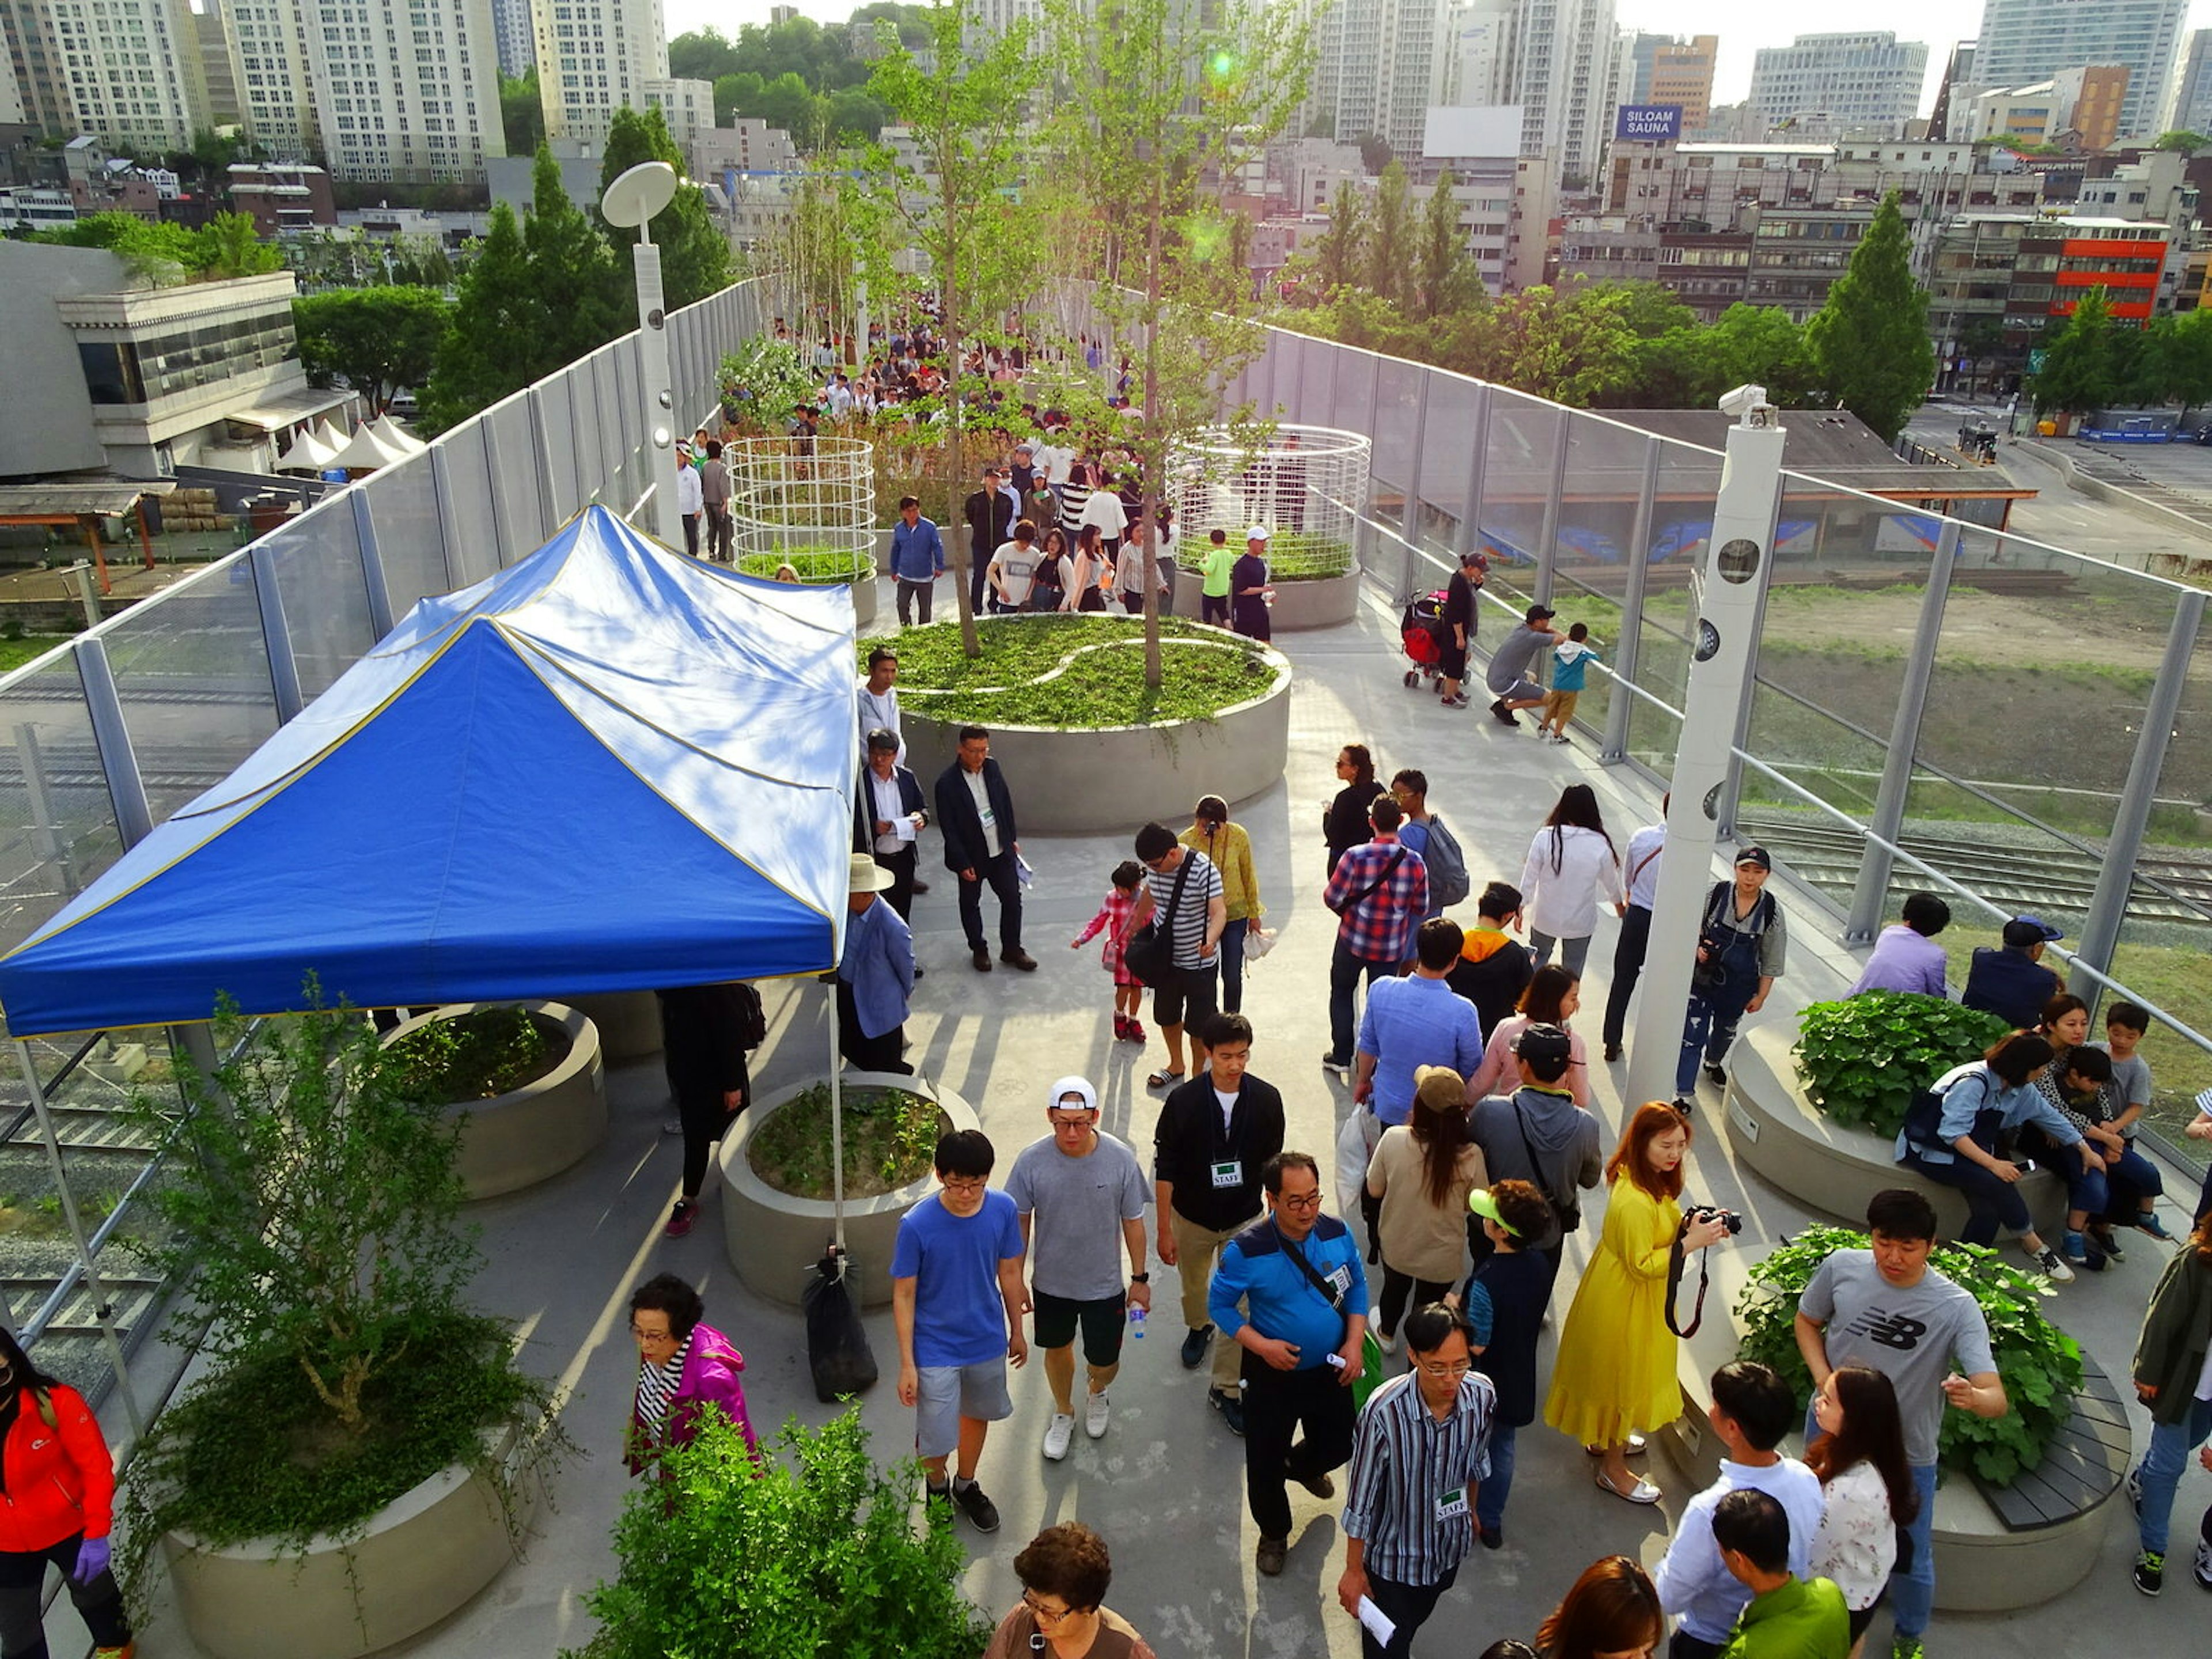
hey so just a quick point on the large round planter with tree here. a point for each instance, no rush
(1087, 748)
(363, 1455)
(525, 1083)
(891, 1123)
(628, 1023)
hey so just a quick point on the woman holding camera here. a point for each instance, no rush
(1742, 940)
(1615, 1370)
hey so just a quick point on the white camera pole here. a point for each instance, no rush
(1728, 588)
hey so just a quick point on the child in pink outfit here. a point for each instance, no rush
(1113, 918)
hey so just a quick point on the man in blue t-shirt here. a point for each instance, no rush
(956, 1296)
(1298, 1272)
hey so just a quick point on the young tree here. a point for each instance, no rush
(1337, 255)
(1390, 237)
(587, 296)
(492, 346)
(1162, 98)
(961, 206)
(1573, 347)
(695, 255)
(2080, 370)
(1448, 279)
(378, 339)
(1869, 343)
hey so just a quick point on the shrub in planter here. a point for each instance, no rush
(889, 1136)
(811, 1550)
(1294, 556)
(2039, 1364)
(492, 1050)
(310, 1205)
(815, 563)
(1863, 1058)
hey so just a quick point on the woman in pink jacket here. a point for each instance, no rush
(686, 1367)
(56, 1500)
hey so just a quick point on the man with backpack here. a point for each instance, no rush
(1742, 940)
(1424, 832)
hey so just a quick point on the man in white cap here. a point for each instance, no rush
(1080, 1195)
(875, 976)
(1248, 587)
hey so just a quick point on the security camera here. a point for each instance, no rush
(1741, 401)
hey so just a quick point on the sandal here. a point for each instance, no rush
(1641, 1492)
(1163, 1079)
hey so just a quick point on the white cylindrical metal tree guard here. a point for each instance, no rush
(806, 502)
(1304, 484)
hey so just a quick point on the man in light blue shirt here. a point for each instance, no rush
(917, 560)
(1906, 957)
(875, 974)
(1414, 1022)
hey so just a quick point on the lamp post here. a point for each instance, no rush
(633, 199)
(1728, 589)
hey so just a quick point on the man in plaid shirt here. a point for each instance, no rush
(1380, 890)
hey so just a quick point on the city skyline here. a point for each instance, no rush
(1743, 27)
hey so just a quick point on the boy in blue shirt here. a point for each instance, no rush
(1571, 662)
(956, 1296)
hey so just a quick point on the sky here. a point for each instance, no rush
(1743, 26)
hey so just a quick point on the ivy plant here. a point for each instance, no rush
(2039, 1364)
(1864, 1058)
(809, 1549)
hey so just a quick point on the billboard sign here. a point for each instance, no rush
(1648, 124)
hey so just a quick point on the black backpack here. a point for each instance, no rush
(751, 1017)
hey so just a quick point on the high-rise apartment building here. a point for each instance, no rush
(1389, 62)
(270, 62)
(127, 71)
(216, 71)
(406, 95)
(594, 58)
(1563, 75)
(1867, 78)
(2192, 94)
(12, 112)
(1682, 73)
(39, 89)
(510, 23)
(1480, 54)
(2023, 41)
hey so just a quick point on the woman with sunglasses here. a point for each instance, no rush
(60, 1486)
(1065, 1571)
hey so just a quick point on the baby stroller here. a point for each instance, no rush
(1422, 628)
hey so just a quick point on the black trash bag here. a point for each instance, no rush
(836, 1342)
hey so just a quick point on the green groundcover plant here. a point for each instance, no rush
(889, 1136)
(1008, 683)
(1863, 1058)
(311, 1207)
(2039, 1364)
(813, 1550)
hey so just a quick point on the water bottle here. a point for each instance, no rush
(1136, 1323)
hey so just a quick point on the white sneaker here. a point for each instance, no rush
(1096, 1410)
(2047, 1263)
(1388, 1344)
(1057, 1436)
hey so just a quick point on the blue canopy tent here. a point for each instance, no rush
(608, 768)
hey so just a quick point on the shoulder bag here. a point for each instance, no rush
(1150, 953)
(1362, 895)
(1569, 1210)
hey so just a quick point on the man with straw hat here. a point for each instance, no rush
(875, 976)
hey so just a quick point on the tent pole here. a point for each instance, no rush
(836, 1125)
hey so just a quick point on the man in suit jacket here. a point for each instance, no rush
(888, 796)
(977, 814)
(990, 512)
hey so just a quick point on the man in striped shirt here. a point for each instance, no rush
(1184, 889)
(1422, 1445)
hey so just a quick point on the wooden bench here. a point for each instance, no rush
(2081, 1468)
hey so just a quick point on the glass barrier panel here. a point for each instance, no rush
(59, 822)
(514, 485)
(318, 576)
(1350, 403)
(1446, 442)
(1681, 524)
(1524, 434)
(1397, 413)
(410, 539)
(558, 424)
(1277, 393)
(191, 669)
(470, 527)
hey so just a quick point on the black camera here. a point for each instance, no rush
(1728, 1219)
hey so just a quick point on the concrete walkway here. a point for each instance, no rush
(1165, 1485)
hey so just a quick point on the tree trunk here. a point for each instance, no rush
(1156, 446)
(948, 300)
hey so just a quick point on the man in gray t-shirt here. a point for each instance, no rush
(1887, 1309)
(1080, 1195)
(1510, 674)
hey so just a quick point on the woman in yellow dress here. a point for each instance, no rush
(1615, 1370)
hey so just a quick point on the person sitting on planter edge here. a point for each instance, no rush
(60, 1485)
(2012, 983)
(686, 1367)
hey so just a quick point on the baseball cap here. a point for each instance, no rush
(1755, 855)
(1079, 1087)
(1474, 559)
(1538, 612)
(2023, 931)
(1543, 1043)
(1439, 1088)
(1258, 532)
(1483, 1204)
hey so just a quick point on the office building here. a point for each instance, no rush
(2024, 41)
(594, 57)
(1865, 79)
(1682, 73)
(2079, 108)
(1957, 76)
(2192, 93)
(510, 24)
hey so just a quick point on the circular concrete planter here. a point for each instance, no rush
(1833, 1167)
(515, 1141)
(420, 1559)
(1322, 602)
(1981, 1566)
(628, 1023)
(775, 1239)
(1108, 780)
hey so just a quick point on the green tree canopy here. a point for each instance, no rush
(521, 112)
(1447, 280)
(1389, 236)
(1375, 152)
(227, 245)
(695, 254)
(1869, 342)
(375, 339)
(1338, 255)
(489, 350)
(2182, 139)
(2080, 366)
(1690, 365)
(588, 296)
